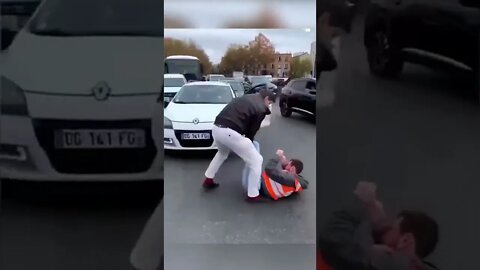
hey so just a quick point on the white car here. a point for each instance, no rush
(215, 77)
(79, 93)
(171, 85)
(189, 117)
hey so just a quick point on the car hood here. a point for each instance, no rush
(172, 89)
(205, 113)
(74, 65)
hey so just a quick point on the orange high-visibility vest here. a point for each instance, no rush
(276, 190)
(321, 263)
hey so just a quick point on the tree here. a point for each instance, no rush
(179, 47)
(235, 59)
(300, 67)
(265, 19)
(251, 59)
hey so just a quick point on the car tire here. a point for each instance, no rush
(384, 60)
(285, 110)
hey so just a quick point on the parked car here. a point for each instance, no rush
(189, 117)
(299, 96)
(437, 34)
(78, 100)
(171, 85)
(215, 77)
(236, 86)
(260, 80)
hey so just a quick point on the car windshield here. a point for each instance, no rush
(174, 82)
(216, 77)
(236, 86)
(204, 94)
(259, 80)
(183, 66)
(98, 18)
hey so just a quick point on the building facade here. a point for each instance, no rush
(281, 66)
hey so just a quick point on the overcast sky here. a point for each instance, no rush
(215, 13)
(215, 42)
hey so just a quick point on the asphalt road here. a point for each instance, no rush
(194, 216)
(78, 226)
(417, 137)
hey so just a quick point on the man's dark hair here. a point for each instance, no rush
(298, 164)
(424, 229)
(267, 93)
(340, 13)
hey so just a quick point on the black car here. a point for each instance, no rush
(299, 95)
(439, 34)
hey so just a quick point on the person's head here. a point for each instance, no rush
(294, 166)
(268, 96)
(413, 233)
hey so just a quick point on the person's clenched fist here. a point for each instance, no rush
(366, 192)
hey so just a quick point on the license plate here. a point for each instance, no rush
(196, 136)
(99, 138)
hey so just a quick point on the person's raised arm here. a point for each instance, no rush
(338, 242)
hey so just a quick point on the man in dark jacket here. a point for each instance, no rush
(234, 130)
(281, 177)
(346, 242)
(333, 20)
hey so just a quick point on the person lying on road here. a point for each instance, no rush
(281, 177)
(402, 243)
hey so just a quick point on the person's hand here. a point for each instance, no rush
(280, 153)
(366, 192)
(382, 249)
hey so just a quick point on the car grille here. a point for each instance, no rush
(95, 161)
(194, 143)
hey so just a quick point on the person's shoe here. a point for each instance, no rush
(208, 183)
(256, 199)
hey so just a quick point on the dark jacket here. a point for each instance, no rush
(346, 243)
(244, 115)
(324, 60)
(275, 171)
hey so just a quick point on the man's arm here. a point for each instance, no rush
(338, 243)
(274, 170)
(304, 183)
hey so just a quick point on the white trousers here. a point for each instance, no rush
(228, 140)
(148, 251)
(246, 170)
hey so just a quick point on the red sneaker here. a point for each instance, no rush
(208, 183)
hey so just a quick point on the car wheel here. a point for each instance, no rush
(383, 58)
(285, 109)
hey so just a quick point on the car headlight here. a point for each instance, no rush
(12, 99)
(167, 123)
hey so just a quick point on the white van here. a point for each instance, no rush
(79, 93)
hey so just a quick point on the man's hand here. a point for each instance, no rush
(366, 192)
(281, 154)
